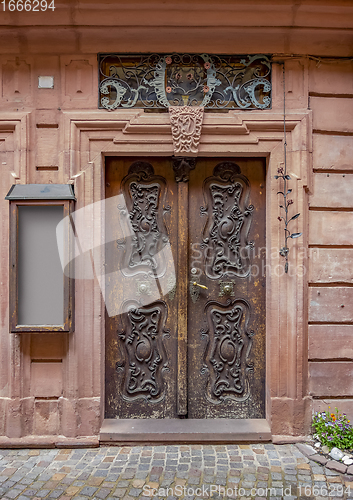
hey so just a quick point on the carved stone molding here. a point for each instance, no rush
(182, 166)
(186, 125)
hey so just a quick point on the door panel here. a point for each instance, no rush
(140, 278)
(154, 357)
(226, 326)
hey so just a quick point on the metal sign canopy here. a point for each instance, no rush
(41, 192)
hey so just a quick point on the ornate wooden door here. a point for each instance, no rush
(141, 312)
(226, 326)
(185, 290)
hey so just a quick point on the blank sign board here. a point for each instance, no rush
(40, 275)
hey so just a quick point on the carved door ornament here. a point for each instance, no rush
(229, 218)
(145, 194)
(229, 343)
(182, 166)
(144, 355)
(186, 125)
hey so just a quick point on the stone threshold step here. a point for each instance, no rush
(221, 430)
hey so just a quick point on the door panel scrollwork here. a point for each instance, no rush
(144, 352)
(226, 357)
(142, 221)
(226, 231)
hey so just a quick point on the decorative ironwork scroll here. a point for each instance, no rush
(159, 81)
(145, 195)
(282, 174)
(226, 358)
(186, 128)
(226, 231)
(145, 355)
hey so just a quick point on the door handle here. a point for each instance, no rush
(201, 286)
(194, 285)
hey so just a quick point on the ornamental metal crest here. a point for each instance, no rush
(158, 81)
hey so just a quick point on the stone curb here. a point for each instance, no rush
(48, 442)
(311, 453)
(306, 449)
(318, 458)
(337, 466)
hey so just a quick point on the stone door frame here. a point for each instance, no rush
(90, 136)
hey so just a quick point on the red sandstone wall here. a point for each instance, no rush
(51, 385)
(226, 26)
(331, 237)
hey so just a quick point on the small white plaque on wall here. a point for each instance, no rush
(45, 82)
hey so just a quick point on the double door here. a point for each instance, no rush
(185, 288)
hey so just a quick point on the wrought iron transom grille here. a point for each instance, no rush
(158, 81)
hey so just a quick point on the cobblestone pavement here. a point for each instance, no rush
(170, 472)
